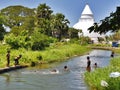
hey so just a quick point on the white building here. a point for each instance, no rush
(86, 20)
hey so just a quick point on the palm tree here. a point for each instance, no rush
(59, 25)
(43, 16)
(44, 11)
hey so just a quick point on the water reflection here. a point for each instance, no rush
(7, 78)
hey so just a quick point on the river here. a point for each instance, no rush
(43, 79)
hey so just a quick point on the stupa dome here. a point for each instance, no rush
(86, 20)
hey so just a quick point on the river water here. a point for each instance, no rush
(43, 79)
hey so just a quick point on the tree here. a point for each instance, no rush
(29, 24)
(59, 25)
(44, 11)
(73, 33)
(2, 30)
(110, 23)
(40, 41)
(15, 15)
(21, 41)
(43, 16)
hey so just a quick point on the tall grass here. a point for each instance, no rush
(63, 52)
(56, 53)
(94, 78)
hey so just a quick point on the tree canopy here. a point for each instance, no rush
(33, 28)
(15, 15)
(2, 30)
(110, 23)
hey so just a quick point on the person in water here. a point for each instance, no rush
(16, 59)
(112, 54)
(95, 65)
(88, 68)
(66, 68)
(54, 71)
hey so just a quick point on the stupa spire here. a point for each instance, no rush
(86, 13)
(86, 20)
(87, 10)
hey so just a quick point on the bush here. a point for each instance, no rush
(36, 41)
(40, 41)
(17, 41)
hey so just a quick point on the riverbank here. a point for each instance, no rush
(94, 78)
(55, 53)
(8, 69)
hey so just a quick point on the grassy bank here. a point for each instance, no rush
(94, 78)
(56, 53)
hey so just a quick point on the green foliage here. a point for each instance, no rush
(101, 45)
(20, 18)
(39, 41)
(35, 41)
(57, 52)
(114, 84)
(34, 28)
(39, 57)
(110, 23)
(2, 30)
(15, 15)
(44, 11)
(17, 41)
(59, 25)
(60, 51)
(73, 33)
(84, 40)
(29, 24)
(43, 17)
(94, 78)
(16, 30)
(81, 41)
(12, 41)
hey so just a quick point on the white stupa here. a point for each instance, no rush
(86, 20)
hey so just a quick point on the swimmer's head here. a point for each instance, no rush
(65, 67)
(88, 57)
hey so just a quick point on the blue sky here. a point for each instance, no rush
(70, 8)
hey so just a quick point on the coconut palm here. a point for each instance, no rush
(59, 25)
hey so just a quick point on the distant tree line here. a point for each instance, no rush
(33, 28)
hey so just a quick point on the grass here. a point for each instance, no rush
(94, 78)
(58, 52)
(63, 52)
